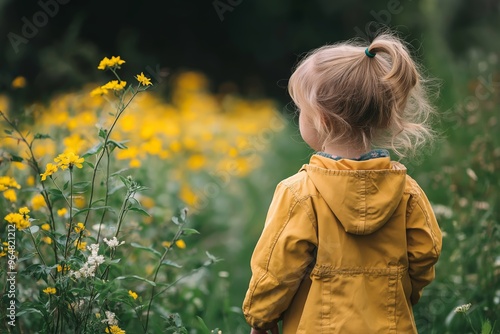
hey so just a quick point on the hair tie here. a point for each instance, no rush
(369, 54)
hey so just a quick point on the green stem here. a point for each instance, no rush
(470, 323)
(121, 109)
(101, 221)
(70, 227)
(164, 255)
(40, 254)
(123, 210)
(59, 188)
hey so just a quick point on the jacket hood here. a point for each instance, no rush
(363, 195)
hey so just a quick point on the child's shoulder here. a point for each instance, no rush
(300, 185)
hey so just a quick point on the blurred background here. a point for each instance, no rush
(239, 54)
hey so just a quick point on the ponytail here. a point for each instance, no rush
(365, 96)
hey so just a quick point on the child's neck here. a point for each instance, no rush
(348, 152)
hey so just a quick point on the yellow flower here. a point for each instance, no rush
(135, 163)
(116, 61)
(68, 160)
(114, 85)
(37, 202)
(114, 329)
(62, 212)
(79, 228)
(74, 142)
(180, 243)
(80, 245)
(20, 218)
(50, 291)
(143, 80)
(7, 182)
(188, 195)
(30, 181)
(45, 227)
(47, 240)
(99, 91)
(19, 165)
(106, 62)
(10, 195)
(166, 244)
(50, 169)
(18, 82)
(61, 268)
(79, 201)
(132, 294)
(147, 202)
(196, 162)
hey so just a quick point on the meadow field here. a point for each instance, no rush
(137, 212)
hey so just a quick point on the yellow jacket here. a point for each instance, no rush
(347, 247)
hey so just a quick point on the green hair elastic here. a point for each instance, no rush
(369, 54)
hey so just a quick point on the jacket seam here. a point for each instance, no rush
(301, 201)
(271, 250)
(427, 223)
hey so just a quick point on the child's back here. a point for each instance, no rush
(350, 240)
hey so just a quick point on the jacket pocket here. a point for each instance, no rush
(358, 300)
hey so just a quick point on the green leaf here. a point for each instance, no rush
(26, 257)
(56, 194)
(137, 277)
(65, 186)
(28, 311)
(38, 271)
(175, 220)
(115, 189)
(149, 249)
(34, 229)
(15, 158)
(140, 210)
(120, 171)
(103, 133)
(93, 150)
(119, 144)
(41, 136)
(90, 164)
(486, 327)
(212, 258)
(81, 185)
(189, 231)
(177, 319)
(114, 261)
(125, 181)
(171, 263)
(9, 132)
(203, 326)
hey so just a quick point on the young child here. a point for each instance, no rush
(350, 240)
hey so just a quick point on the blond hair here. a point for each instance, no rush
(367, 101)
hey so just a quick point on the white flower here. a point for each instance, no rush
(113, 243)
(89, 268)
(463, 308)
(94, 248)
(110, 319)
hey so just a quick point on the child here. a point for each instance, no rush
(350, 240)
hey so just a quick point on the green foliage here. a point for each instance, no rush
(69, 277)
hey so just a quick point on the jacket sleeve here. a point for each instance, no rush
(281, 258)
(424, 241)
